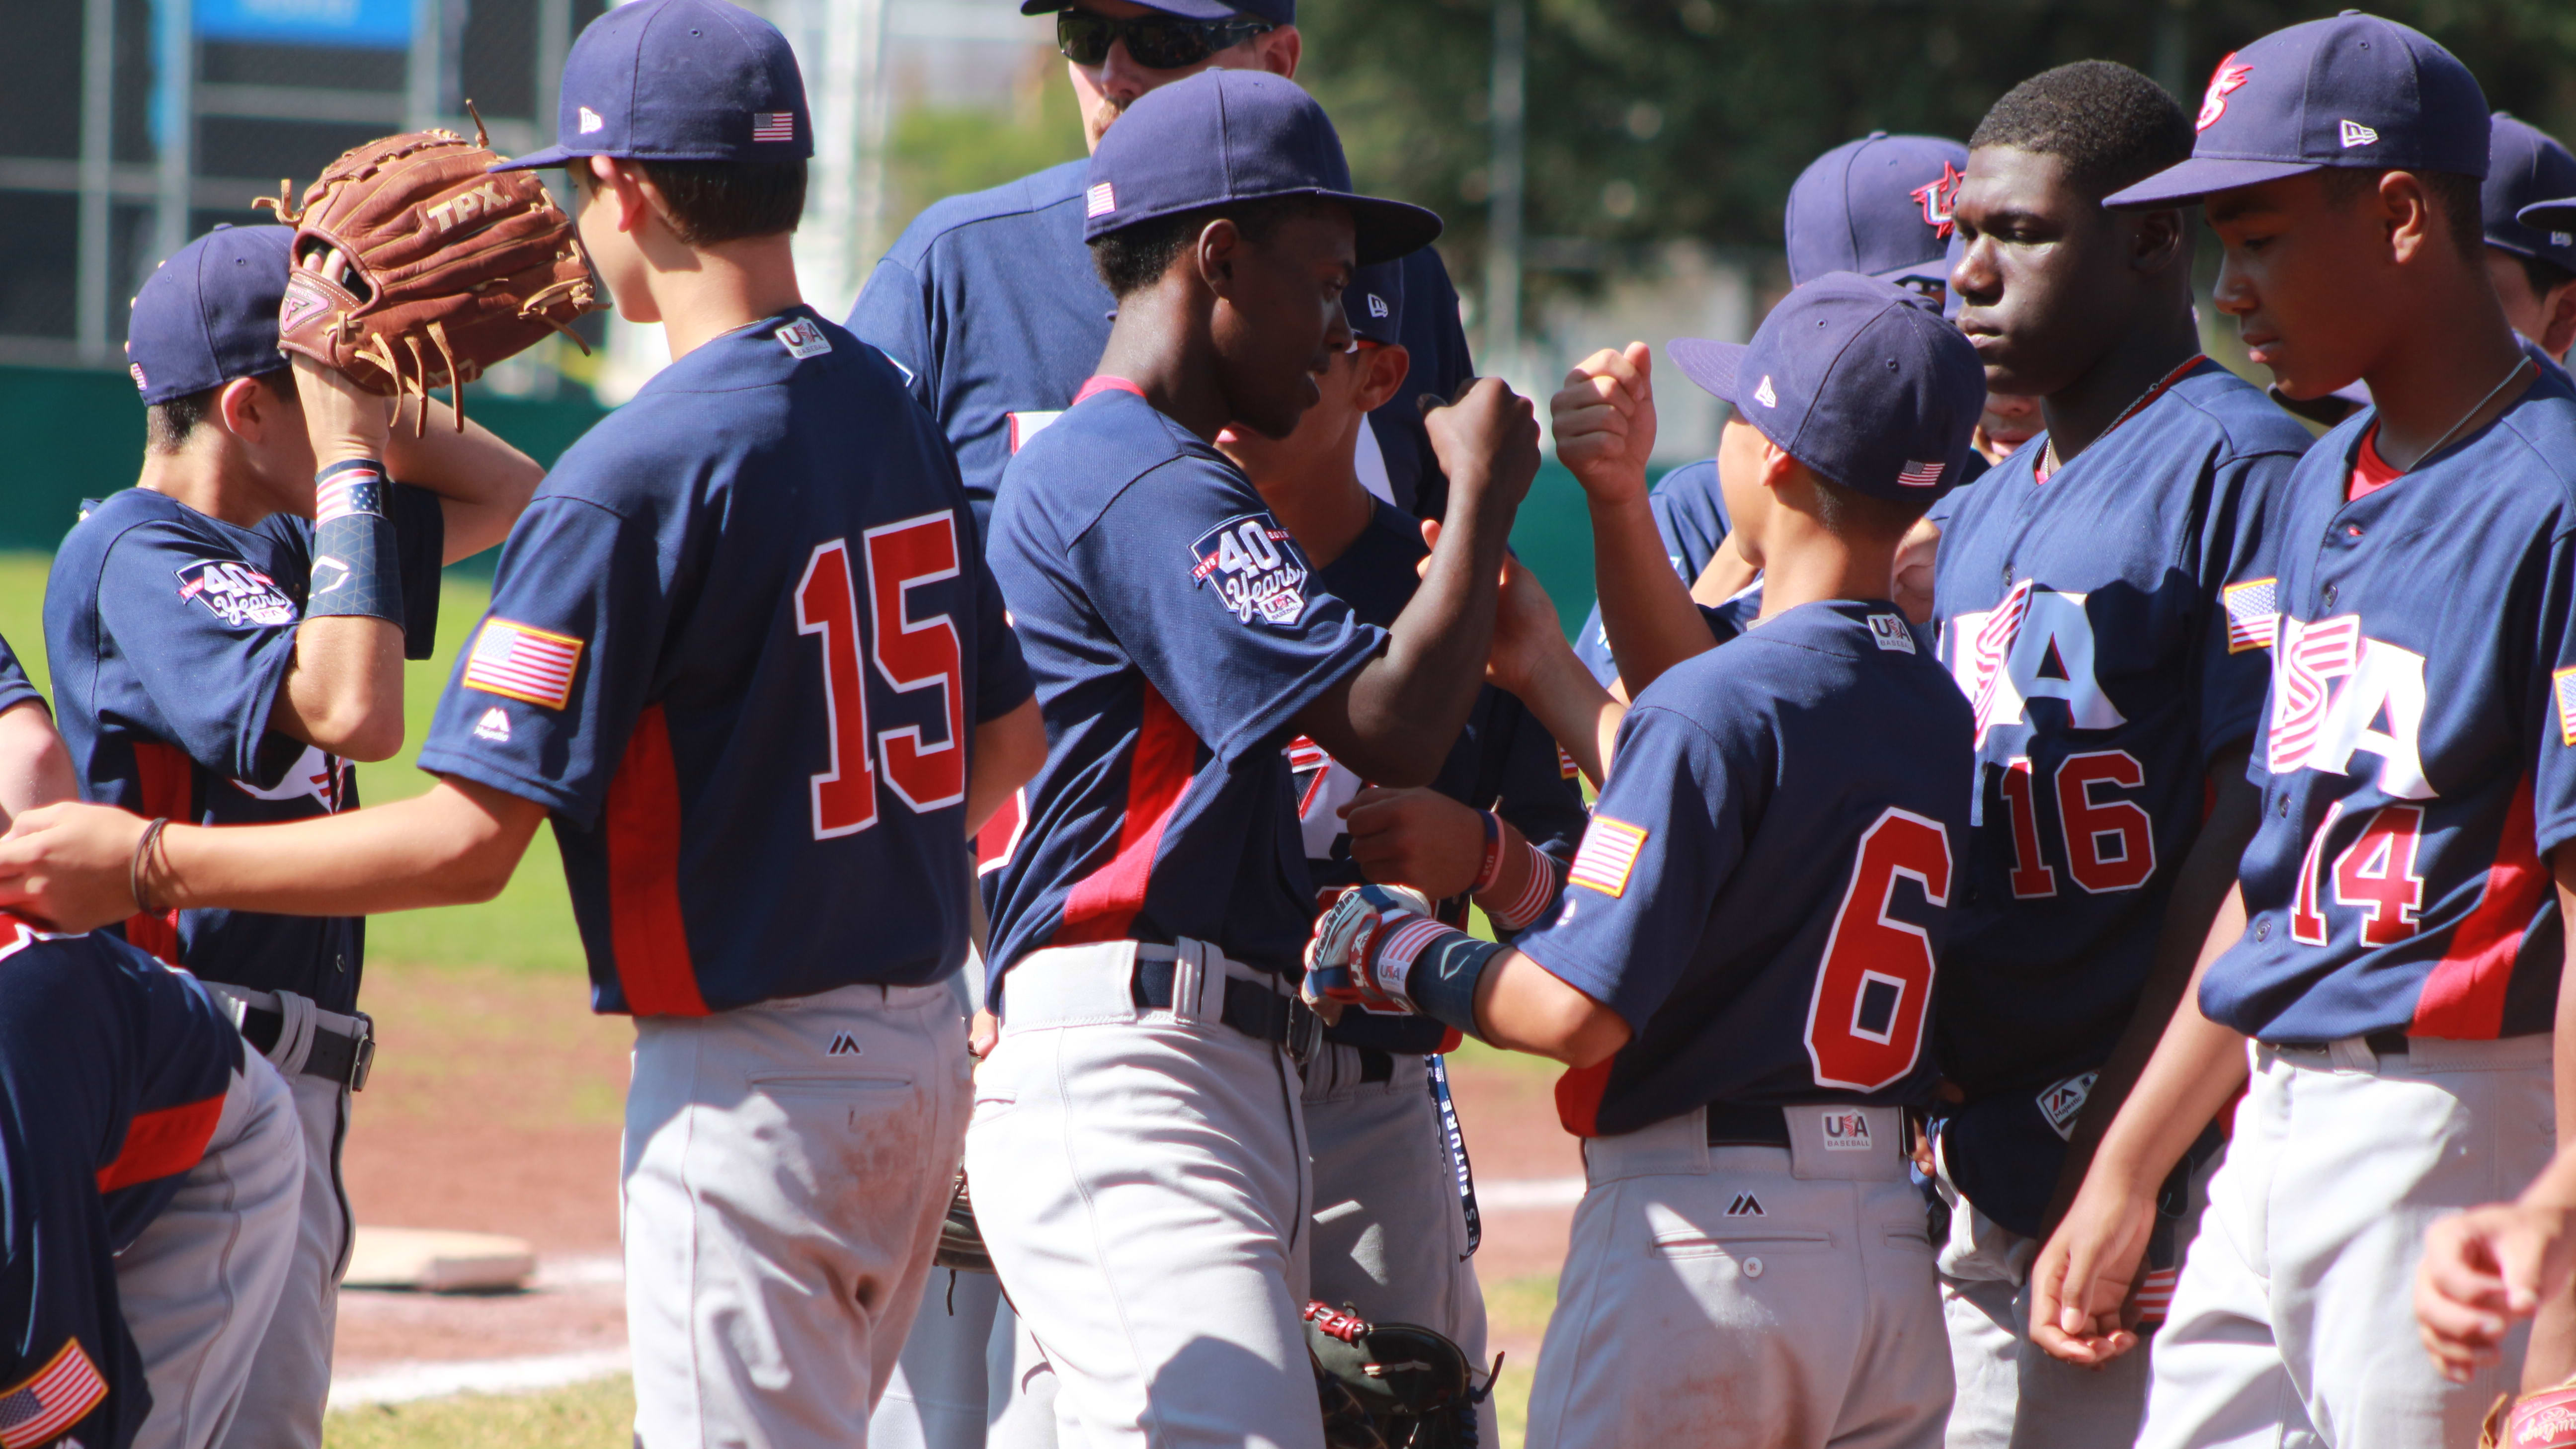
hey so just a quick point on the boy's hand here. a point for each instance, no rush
(1527, 629)
(1604, 419)
(1418, 837)
(2081, 1281)
(2482, 1269)
(343, 420)
(1486, 438)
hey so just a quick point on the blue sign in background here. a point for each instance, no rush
(359, 24)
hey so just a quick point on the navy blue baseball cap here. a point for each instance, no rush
(1277, 12)
(1879, 206)
(1857, 379)
(1375, 303)
(1236, 135)
(2526, 165)
(209, 315)
(679, 80)
(2354, 90)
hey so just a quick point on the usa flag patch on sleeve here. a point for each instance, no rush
(51, 1400)
(2562, 692)
(517, 662)
(1609, 852)
(2253, 612)
(1566, 769)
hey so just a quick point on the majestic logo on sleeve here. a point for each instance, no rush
(2336, 692)
(1256, 566)
(2226, 81)
(2036, 644)
(236, 593)
(1936, 197)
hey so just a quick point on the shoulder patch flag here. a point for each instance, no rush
(2562, 690)
(1609, 852)
(51, 1400)
(2253, 611)
(517, 662)
(1566, 769)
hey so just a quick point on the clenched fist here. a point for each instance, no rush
(1486, 438)
(1604, 418)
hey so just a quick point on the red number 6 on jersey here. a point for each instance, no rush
(1865, 1021)
(910, 653)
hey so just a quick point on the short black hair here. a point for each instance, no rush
(2111, 126)
(167, 426)
(722, 201)
(2455, 195)
(1858, 517)
(2544, 275)
(1133, 258)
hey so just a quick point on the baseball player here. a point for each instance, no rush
(1137, 1148)
(216, 664)
(150, 1170)
(1496, 827)
(2106, 597)
(2393, 950)
(742, 650)
(2532, 265)
(1879, 206)
(1741, 972)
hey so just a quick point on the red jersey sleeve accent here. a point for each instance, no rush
(1578, 1097)
(1102, 905)
(167, 778)
(162, 1144)
(647, 931)
(2464, 997)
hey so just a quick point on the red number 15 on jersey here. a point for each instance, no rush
(909, 653)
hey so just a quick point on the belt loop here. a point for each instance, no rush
(2352, 1054)
(1189, 982)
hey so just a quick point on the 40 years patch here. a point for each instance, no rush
(1256, 567)
(238, 594)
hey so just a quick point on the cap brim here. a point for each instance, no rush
(2559, 215)
(1384, 230)
(2202, 175)
(550, 156)
(1188, 9)
(1711, 365)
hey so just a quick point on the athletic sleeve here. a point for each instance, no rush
(15, 688)
(1217, 605)
(1002, 681)
(2550, 699)
(209, 638)
(420, 534)
(1666, 835)
(548, 691)
(2233, 667)
(892, 315)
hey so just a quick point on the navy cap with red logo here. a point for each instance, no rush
(1857, 379)
(1236, 135)
(1879, 206)
(2354, 90)
(679, 80)
(2526, 167)
(209, 315)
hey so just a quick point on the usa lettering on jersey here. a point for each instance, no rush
(1256, 567)
(2332, 688)
(236, 593)
(2036, 644)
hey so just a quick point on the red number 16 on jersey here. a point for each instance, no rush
(909, 654)
(1865, 1021)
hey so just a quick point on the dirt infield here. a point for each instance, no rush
(495, 1108)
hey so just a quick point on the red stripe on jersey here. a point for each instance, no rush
(646, 931)
(2464, 997)
(167, 779)
(162, 1144)
(1578, 1098)
(1102, 905)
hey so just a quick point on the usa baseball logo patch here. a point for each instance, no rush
(518, 662)
(1256, 568)
(2562, 690)
(2253, 613)
(803, 338)
(1888, 632)
(236, 593)
(1608, 854)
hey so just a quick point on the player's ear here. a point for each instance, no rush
(2406, 206)
(1220, 245)
(248, 409)
(1778, 468)
(1386, 367)
(2158, 240)
(2558, 324)
(1281, 49)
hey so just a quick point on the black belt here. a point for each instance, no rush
(1258, 1011)
(2389, 1043)
(1730, 1125)
(335, 1056)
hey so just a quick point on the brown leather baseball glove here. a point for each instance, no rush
(415, 268)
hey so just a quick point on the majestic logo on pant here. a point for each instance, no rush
(1846, 1131)
(2036, 644)
(843, 1045)
(2333, 690)
(1746, 1205)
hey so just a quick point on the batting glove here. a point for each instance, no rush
(1349, 961)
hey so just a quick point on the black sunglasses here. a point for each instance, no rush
(1156, 41)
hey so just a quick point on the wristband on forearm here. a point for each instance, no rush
(1440, 975)
(357, 570)
(1539, 883)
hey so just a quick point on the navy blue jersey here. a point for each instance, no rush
(1175, 631)
(1505, 761)
(15, 688)
(2418, 757)
(168, 634)
(989, 304)
(738, 645)
(2108, 626)
(113, 1069)
(1760, 894)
